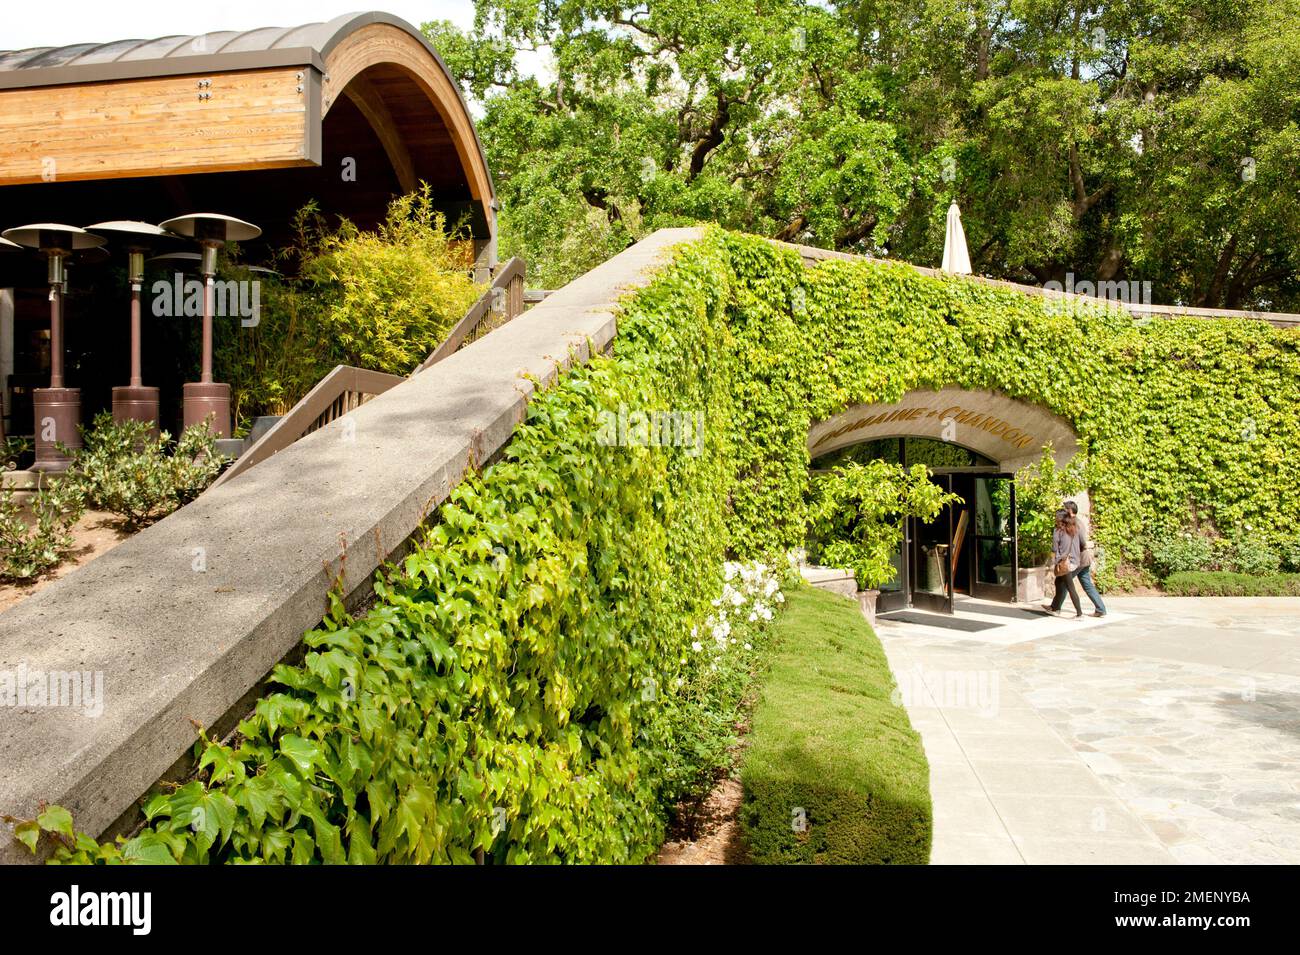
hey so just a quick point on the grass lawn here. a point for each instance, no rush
(828, 746)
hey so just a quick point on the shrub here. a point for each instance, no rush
(1040, 489)
(1291, 555)
(1222, 583)
(12, 450)
(29, 550)
(124, 469)
(855, 520)
(834, 772)
(719, 670)
(1251, 554)
(381, 299)
(1180, 551)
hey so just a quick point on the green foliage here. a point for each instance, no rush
(123, 468)
(1177, 416)
(1251, 554)
(1291, 555)
(1178, 552)
(856, 518)
(30, 546)
(393, 294)
(1223, 583)
(1112, 140)
(1040, 489)
(11, 451)
(493, 701)
(503, 664)
(1186, 550)
(381, 300)
(834, 772)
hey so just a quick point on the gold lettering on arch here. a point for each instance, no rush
(993, 426)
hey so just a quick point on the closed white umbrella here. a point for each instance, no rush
(956, 258)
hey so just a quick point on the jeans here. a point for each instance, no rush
(1064, 585)
(1090, 588)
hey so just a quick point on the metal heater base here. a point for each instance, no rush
(136, 403)
(58, 412)
(202, 399)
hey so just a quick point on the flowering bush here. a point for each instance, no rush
(748, 592)
(707, 707)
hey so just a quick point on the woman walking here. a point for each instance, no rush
(1066, 557)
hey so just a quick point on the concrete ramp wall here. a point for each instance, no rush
(186, 617)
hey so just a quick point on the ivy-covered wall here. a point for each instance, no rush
(494, 700)
(1184, 420)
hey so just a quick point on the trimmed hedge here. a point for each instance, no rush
(826, 739)
(1222, 583)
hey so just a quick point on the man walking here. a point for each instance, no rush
(1085, 561)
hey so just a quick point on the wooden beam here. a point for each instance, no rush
(384, 43)
(368, 100)
(221, 122)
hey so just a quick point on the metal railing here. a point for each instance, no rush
(339, 392)
(503, 301)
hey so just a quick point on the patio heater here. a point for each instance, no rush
(135, 401)
(212, 230)
(58, 409)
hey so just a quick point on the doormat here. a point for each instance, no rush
(943, 621)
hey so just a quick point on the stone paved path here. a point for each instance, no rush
(1169, 732)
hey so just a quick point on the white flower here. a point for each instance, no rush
(697, 646)
(749, 646)
(753, 617)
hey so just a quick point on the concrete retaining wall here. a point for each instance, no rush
(186, 617)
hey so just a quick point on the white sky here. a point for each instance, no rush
(60, 22)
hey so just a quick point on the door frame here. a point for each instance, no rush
(985, 591)
(923, 599)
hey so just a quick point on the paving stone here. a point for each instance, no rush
(1168, 710)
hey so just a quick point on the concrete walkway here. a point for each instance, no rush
(1167, 732)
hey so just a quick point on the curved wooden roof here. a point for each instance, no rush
(229, 101)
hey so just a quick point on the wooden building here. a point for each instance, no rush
(252, 124)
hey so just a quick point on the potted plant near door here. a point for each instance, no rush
(1040, 489)
(855, 519)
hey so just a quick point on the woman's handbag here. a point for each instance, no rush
(1062, 567)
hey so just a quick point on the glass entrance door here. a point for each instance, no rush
(894, 594)
(931, 557)
(995, 559)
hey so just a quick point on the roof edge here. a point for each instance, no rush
(201, 63)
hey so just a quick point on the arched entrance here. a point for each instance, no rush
(973, 442)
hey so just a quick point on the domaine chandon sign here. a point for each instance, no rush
(945, 418)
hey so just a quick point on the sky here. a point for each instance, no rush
(60, 22)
